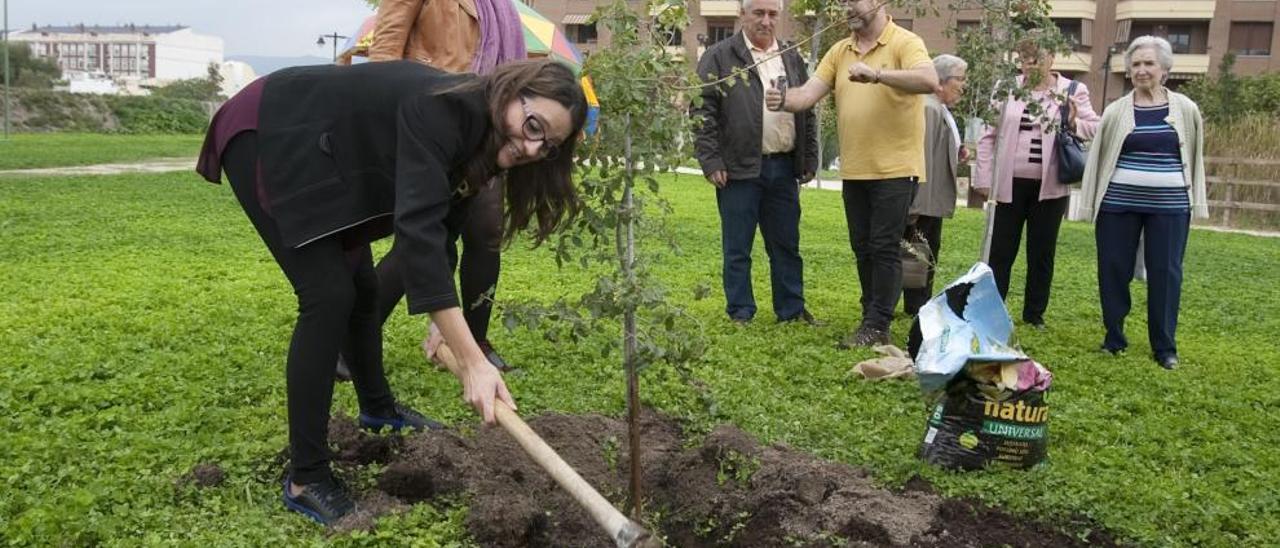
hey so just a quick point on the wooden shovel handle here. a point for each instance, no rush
(626, 533)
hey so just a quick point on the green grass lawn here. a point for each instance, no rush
(32, 150)
(144, 329)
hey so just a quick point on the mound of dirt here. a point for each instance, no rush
(728, 491)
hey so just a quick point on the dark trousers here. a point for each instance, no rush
(480, 227)
(772, 202)
(1042, 219)
(930, 230)
(337, 311)
(876, 213)
(1164, 244)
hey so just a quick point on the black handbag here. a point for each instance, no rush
(1071, 155)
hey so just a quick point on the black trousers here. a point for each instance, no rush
(1042, 219)
(337, 311)
(479, 225)
(1164, 245)
(876, 212)
(930, 230)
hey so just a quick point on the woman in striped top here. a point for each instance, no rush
(1145, 179)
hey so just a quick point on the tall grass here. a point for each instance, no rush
(1255, 136)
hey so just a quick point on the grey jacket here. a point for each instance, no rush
(937, 197)
(732, 116)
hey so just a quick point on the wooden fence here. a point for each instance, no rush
(1230, 191)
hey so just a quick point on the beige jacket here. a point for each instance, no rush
(440, 33)
(937, 196)
(1117, 124)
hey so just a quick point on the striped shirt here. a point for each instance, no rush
(1030, 152)
(1148, 176)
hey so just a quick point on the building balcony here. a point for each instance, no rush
(1074, 9)
(1183, 63)
(1165, 9)
(1074, 62)
(719, 8)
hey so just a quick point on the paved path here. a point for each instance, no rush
(146, 166)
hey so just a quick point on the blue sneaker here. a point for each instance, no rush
(404, 418)
(324, 501)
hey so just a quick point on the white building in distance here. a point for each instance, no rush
(134, 55)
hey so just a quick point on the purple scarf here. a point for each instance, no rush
(501, 35)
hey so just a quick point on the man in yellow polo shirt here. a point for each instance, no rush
(880, 74)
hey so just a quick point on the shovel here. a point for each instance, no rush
(624, 532)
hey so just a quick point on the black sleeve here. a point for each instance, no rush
(707, 144)
(810, 125)
(430, 137)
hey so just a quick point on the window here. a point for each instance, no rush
(965, 26)
(1074, 31)
(581, 34)
(1178, 35)
(1250, 38)
(676, 37)
(671, 37)
(718, 31)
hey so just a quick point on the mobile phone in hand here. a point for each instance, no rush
(780, 83)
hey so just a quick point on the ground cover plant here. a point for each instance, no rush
(144, 328)
(34, 150)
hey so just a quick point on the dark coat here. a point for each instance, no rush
(732, 117)
(347, 149)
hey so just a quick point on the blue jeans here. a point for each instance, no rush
(771, 201)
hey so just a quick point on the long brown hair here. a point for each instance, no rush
(540, 191)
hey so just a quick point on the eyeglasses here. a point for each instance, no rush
(534, 131)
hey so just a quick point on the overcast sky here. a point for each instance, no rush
(247, 27)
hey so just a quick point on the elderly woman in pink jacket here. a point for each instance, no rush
(1016, 161)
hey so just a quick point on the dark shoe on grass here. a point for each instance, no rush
(405, 418)
(494, 358)
(324, 501)
(805, 317)
(1112, 351)
(865, 336)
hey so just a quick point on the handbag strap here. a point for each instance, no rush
(1071, 91)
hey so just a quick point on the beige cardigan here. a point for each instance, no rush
(1117, 124)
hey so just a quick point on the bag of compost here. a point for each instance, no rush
(992, 413)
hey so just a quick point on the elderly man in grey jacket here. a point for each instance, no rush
(943, 152)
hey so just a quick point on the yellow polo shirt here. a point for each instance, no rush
(881, 129)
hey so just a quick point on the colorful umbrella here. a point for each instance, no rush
(542, 38)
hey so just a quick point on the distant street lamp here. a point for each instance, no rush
(334, 37)
(1106, 72)
(5, 30)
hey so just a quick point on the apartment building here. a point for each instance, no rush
(129, 53)
(1200, 31)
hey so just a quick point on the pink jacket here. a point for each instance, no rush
(999, 166)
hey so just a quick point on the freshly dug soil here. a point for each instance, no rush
(727, 491)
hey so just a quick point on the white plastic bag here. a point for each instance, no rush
(966, 321)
